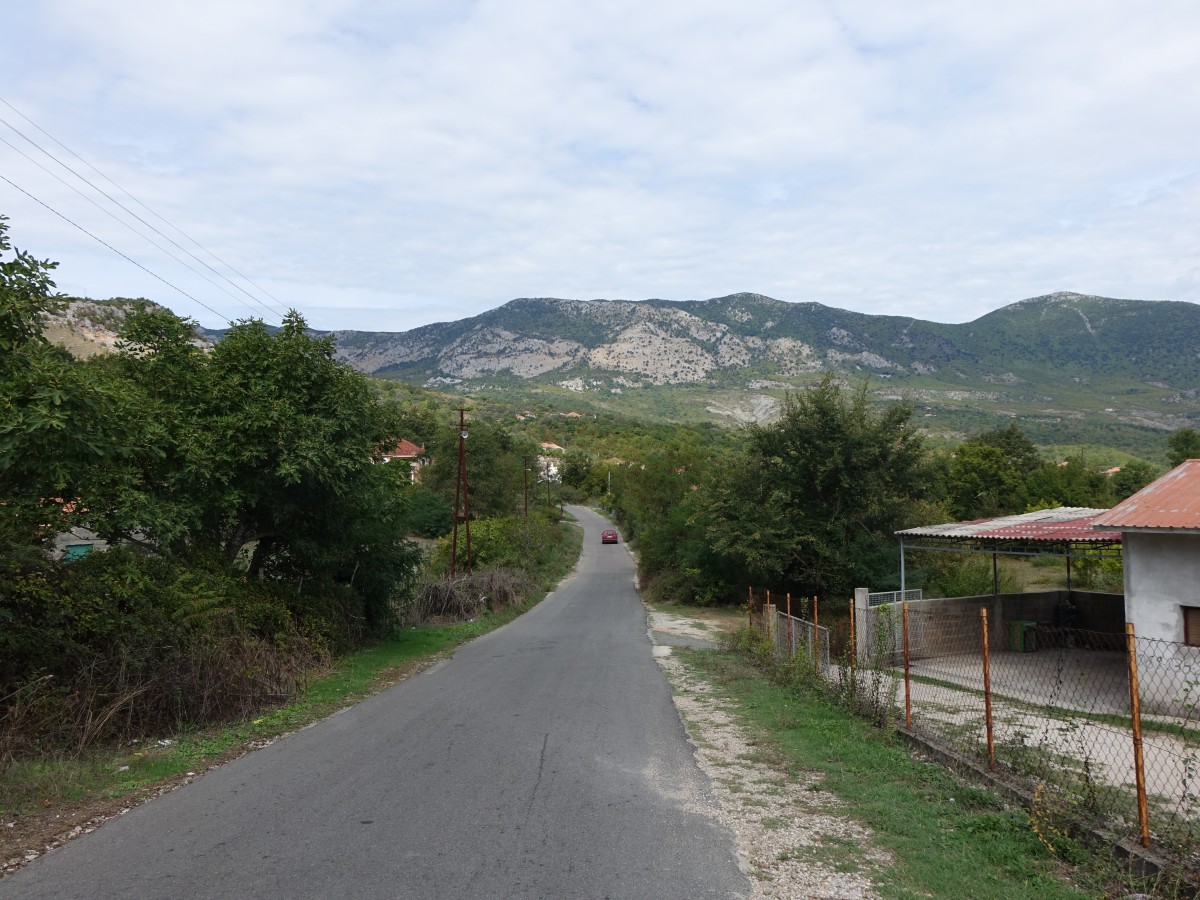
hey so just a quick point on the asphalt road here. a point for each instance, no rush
(544, 760)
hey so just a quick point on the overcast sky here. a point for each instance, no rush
(382, 165)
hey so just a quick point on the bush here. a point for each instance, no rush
(471, 595)
(123, 645)
(688, 586)
(527, 545)
(965, 575)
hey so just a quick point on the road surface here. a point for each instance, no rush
(545, 759)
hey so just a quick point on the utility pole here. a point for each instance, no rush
(547, 485)
(462, 500)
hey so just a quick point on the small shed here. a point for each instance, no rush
(1160, 530)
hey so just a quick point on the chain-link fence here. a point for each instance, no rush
(1103, 728)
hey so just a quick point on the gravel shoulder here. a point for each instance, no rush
(793, 839)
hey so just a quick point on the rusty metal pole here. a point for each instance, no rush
(907, 682)
(816, 635)
(987, 690)
(1135, 715)
(768, 618)
(750, 606)
(791, 642)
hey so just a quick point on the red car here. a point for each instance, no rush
(608, 537)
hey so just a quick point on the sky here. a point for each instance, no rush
(384, 165)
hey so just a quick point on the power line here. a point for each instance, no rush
(116, 251)
(113, 215)
(135, 215)
(178, 230)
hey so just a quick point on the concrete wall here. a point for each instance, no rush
(952, 625)
(1162, 575)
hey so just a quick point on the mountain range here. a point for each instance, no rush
(1130, 369)
(1071, 368)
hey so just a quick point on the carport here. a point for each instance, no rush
(1065, 531)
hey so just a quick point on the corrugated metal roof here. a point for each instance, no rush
(1172, 503)
(1066, 524)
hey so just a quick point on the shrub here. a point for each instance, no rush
(121, 644)
(471, 595)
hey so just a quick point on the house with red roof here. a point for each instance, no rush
(1160, 533)
(406, 451)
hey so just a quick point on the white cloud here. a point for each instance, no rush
(407, 163)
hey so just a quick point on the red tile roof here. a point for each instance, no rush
(1172, 503)
(404, 449)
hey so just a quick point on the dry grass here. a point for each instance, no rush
(470, 596)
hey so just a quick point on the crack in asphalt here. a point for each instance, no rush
(538, 783)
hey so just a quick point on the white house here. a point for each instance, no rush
(1160, 534)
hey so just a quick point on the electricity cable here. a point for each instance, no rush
(222, 275)
(220, 316)
(109, 212)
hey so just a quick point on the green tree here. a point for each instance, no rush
(1183, 445)
(494, 466)
(576, 468)
(987, 474)
(264, 457)
(821, 492)
(1072, 482)
(56, 425)
(1134, 476)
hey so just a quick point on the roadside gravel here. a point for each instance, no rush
(794, 839)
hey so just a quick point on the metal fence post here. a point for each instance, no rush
(768, 621)
(907, 683)
(1135, 715)
(791, 643)
(987, 689)
(816, 635)
(750, 606)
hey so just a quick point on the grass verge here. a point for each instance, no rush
(949, 839)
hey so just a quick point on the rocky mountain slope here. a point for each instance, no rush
(658, 342)
(1072, 368)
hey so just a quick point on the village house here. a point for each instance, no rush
(408, 452)
(1160, 534)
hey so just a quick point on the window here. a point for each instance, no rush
(1191, 626)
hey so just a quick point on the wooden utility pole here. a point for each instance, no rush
(462, 500)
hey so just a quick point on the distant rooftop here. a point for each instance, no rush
(1170, 504)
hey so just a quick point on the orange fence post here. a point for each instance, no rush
(791, 644)
(987, 690)
(768, 619)
(907, 682)
(1135, 715)
(816, 637)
